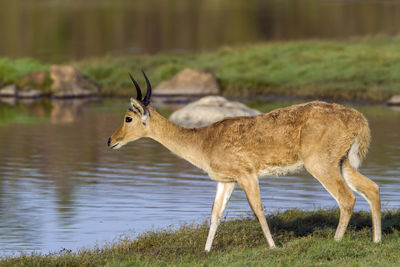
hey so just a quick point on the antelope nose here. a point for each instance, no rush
(109, 141)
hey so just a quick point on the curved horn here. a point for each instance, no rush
(146, 99)
(139, 92)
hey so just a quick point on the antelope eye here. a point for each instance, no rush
(128, 119)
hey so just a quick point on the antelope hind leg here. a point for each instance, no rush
(370, 191)
(331, 179)
(252, 190)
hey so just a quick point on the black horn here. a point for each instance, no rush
(139, 92)
(146, 99)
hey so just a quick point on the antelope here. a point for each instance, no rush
(328, 140)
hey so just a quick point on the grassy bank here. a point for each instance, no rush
(361, 69)
(303, 238)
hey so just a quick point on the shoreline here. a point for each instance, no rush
(357, 70)
(305, 237)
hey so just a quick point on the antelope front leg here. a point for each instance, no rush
(252, 190)
(224, 192)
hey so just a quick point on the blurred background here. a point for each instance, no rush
(63, 30)
(62, 188)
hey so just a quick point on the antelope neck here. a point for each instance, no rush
(184, 142)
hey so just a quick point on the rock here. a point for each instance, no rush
(394, 100)
(73, 91)
(69, 82)
(208, 110)
(30, 92)
(189, 82)
(9, 90)
(26, 92)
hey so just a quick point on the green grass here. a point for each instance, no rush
(11, 71)
(367, 69)
(356, 69)
(302, 237)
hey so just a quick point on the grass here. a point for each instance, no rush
(356, 69)
(366, 69)
(11, 71)
(302, 237)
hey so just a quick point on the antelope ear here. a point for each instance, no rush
(140, 109)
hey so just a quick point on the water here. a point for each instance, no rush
(61, 187)
(62, 30)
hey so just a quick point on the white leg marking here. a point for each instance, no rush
(376, 220)
(224, 192)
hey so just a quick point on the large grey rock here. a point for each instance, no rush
(189, 82)
(69, 82)
(208, 110)
(9, 90)
(394, 100)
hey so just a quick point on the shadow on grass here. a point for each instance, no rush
(295, 223)
(246, 232)
(303, 223)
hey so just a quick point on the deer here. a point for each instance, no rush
(326, 139)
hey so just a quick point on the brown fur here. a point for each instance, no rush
(316, 135)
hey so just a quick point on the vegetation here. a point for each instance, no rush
(303, 238)
(11, 71)
(359, 69)
(363, 69)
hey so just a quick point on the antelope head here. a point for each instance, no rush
(134, 125)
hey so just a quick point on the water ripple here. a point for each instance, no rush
(70, 194)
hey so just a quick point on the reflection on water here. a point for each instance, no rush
(68, 110)
(61, 187)
(50, 30)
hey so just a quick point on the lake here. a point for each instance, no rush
(61, 187)
(64, 30)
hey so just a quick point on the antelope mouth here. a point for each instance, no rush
(114, 146)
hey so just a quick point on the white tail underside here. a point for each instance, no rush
(353, 155)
